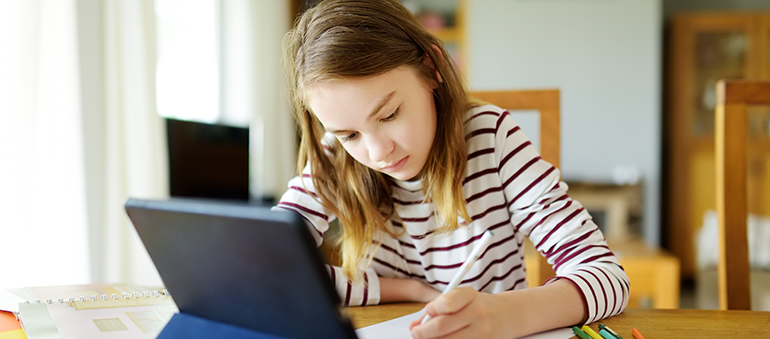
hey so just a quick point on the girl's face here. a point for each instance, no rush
(386, 122)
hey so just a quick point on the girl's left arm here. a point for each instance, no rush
(405, 290)
(559, 227)
(589, 284)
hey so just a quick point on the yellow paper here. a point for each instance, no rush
(109, 325)
(15, 334)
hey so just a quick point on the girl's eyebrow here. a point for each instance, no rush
(383, 101)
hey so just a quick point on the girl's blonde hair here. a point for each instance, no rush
(340, 39)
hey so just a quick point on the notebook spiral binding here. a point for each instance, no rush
(144, 298)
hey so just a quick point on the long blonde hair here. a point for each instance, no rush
(340, 39)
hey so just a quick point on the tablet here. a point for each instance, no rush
(242, 265)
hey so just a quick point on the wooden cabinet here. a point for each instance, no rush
(703, 48)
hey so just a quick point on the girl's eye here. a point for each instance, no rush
(392, 115)
(350, 137)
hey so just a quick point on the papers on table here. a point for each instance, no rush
(93, 311)
(392, 329)
(9, 302)
(399, 329)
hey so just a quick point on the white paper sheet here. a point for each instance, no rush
(399, 329)
(9, 302)
(392, 329)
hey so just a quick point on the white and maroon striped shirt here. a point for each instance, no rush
(509, 190)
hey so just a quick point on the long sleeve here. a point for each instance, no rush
(560, 228)
(508, 190)
(301, 198)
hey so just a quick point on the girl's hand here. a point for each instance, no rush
(405, 290)
(466, 313)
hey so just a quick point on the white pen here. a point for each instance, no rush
(475, 254)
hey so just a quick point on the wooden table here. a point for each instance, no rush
(653, 323)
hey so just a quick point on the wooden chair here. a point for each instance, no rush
(547, 103)
(733, 98)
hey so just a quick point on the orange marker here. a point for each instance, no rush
(637, 334)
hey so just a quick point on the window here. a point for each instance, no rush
(187, 73)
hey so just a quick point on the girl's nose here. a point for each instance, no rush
(379, 147)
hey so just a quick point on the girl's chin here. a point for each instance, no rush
(406, 176)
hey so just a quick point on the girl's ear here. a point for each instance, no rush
(429, 62)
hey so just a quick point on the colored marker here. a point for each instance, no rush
(605, 327)
(578, 332)
(591, 332)
(606, 335)
(637, 334)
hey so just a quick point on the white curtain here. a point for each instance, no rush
(79, 134)
(253, 86)
(43, 229)
(135, 158)
(273, 132)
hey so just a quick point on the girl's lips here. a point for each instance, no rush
(396, 166)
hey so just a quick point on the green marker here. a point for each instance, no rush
(578, 332)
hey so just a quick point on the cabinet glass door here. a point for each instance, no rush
(719, 55)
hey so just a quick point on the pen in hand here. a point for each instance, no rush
(475, 254)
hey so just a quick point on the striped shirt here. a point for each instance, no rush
(509, 190)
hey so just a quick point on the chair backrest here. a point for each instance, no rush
(547, 103)
(733, 98)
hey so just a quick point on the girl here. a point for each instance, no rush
(416, 172)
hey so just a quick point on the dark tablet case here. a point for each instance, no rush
(241, 265)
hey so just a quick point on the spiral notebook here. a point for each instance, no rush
(94, 311)
(241, 265)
